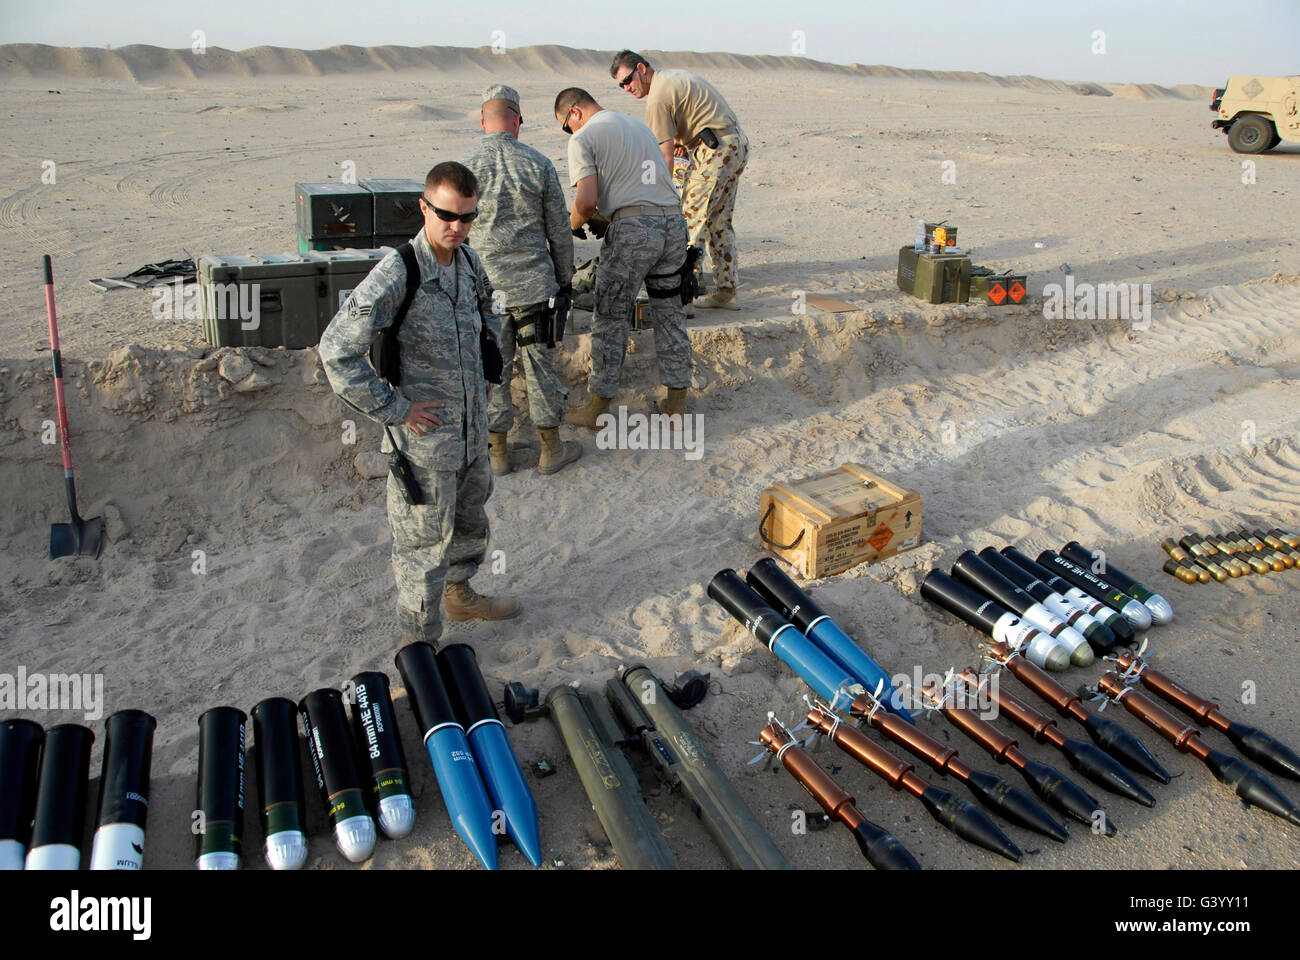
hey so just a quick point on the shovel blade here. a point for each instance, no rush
(83, 538)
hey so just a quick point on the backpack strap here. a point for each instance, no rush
(385, 351)
(407, 253)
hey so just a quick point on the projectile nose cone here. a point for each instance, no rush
(355, 838)
(1061, 792)
(1083, 656)
(1106, 772)
(1252, 786)
(12, 855)
(218, 861)
(1161, 611)
(968, 822)
(1136, 613)
(286, 850)
(1101, 638)
(1015, 805)
(397, 816)
(882, 849)
(1057, 660)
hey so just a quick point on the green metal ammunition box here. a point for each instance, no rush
(999, 290)
(270, 300)
(396, 206)
(343, 270)
(334, 211)
(937, 278)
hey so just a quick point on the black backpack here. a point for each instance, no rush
(386, 353)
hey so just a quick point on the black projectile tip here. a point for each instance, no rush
(882, 849)
(1125, 747)
(1122, 629)
(969, 822)
(1105, 771)
(1064, 794)
(1015, 805)
(1101, 638)
(1252, 786)
(1268, 752)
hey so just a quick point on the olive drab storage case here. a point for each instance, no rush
(334, 211)
(396, 207)
(267, 300)
(935, 277)
(344, 269)
(277, 299)
(824, 525)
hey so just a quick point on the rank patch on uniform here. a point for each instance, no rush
(357, 310)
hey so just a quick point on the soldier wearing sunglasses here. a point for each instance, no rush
(689, 115)
(436, 414)
(522, 234)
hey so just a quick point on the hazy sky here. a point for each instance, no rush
(1161, 41)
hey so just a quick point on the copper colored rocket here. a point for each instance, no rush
(1248, 783)
(878, 845)
(953, 813)
(991, 791)
(1107, 734)
(1254, 743)
(1095, 764)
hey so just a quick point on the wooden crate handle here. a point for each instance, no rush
(772, 543)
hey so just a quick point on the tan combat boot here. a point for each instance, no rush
(724, 298)
(675, 402)
(498, 454)
(586, 416)
(556, 452)
(462, 603)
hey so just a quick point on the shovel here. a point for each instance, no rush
(83, 538)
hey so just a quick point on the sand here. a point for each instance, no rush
(1014, 428)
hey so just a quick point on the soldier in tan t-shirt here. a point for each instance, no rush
(686, 113)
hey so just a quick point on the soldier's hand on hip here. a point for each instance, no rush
(679, 151)
(420, 419)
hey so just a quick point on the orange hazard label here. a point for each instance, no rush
(1017, 292)
(997, 293)
(880, 537)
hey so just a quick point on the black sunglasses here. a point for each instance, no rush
(446, 216)
(628, 79)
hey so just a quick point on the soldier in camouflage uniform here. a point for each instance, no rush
(620, 174)
(522, 234)
(438, 413)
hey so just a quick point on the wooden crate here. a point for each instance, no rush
(824, 525)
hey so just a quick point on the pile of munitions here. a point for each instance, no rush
(1199, 558)
(44, 782)
(639, 712)
(1065, 608)
(360, 770)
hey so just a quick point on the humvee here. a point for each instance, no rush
(1258, 113)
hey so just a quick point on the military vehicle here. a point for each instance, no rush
(1258, 113)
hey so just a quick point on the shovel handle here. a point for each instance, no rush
(60, 402)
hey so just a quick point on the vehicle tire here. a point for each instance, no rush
(1277, 138)
(1252, 133)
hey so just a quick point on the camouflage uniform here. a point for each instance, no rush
(522, 234)
(709, 199)
(634, 247)
(446, 537)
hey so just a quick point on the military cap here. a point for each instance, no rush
(499, 91)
